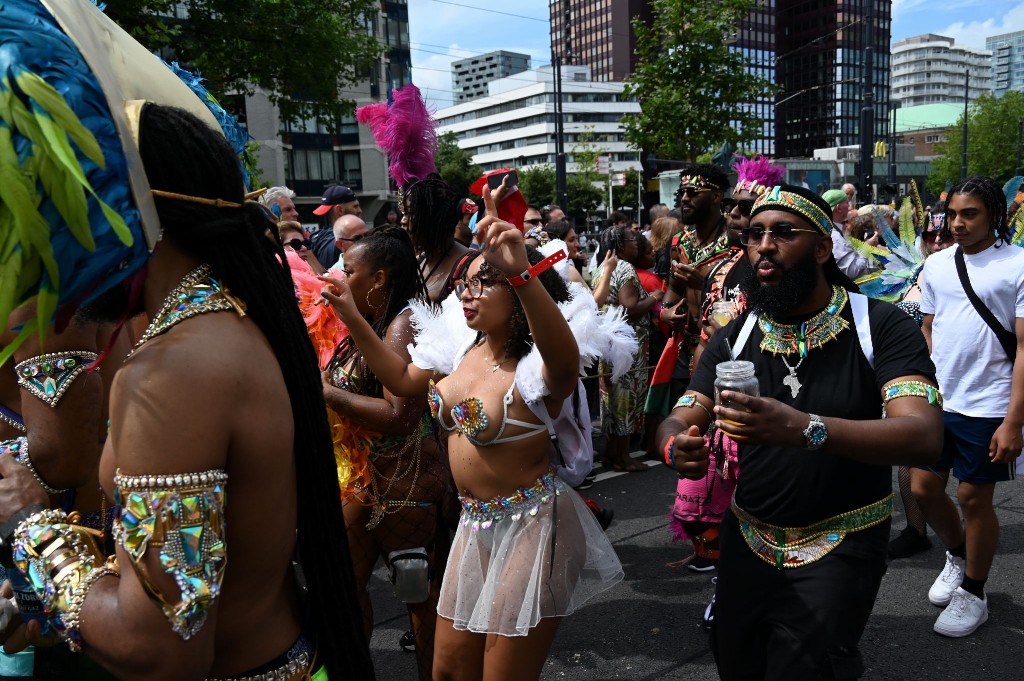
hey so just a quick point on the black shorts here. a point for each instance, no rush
(965, 450)
(795, 623)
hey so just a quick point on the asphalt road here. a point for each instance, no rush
(648, 626)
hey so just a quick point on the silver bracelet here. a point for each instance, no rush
(19, 449)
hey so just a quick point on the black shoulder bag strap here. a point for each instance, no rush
(1006, 338)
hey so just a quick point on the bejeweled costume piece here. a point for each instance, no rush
(197, 293)
(61, 562)
(182, 515)
(791, 202)
(18, 448)
(787, 339)
(912, 389)
(481, 514)
(792, 547)
(49, 376)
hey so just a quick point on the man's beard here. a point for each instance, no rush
(109, 306)
(794, 288)
(698, 214)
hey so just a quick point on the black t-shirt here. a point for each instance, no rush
(795, 487)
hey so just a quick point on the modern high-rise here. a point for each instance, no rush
(931, 69)
(1007, 61)
(812, 49)
(470, 76)
(600, 35)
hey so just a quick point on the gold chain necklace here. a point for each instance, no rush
(197, 293)
(787, 339)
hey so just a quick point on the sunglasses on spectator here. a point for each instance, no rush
(944, 234)
(297, 244)
(780, 235)
(353, 239)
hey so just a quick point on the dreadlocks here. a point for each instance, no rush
(612, 239)
(182, 155)
(433, 210)
(390, 249)
(991, 194)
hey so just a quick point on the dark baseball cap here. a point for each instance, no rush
(334, 195)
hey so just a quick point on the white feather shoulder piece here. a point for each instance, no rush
(599, 335)
(442, 337)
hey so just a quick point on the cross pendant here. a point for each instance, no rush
(793, 383)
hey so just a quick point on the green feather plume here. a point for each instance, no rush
(908, 232)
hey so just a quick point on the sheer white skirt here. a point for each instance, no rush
(539, 553)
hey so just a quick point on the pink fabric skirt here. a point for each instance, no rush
(705, 500)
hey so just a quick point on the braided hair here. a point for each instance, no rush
(387, 248)
(181, 154)
(991, 194)
(433, 209)
(612, 239)
(520, 341)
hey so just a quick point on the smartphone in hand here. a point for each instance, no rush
(494, 181)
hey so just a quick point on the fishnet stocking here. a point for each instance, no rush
(915, 517)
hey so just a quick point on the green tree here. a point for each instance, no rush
(456, 165)
(626, 195)
(991, 141)
(584, 197)
(305, 53)
(585, 154)
(692, 88)
(537, 183)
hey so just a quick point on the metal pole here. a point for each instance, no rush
(1020, 144)
(560, 180)
(963, 162)
(609, 188)
(892, 144)
(867, 112)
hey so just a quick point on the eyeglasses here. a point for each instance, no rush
(781, 235)
(297, 244)
(353, 239)
(475, 287)
(535, 222)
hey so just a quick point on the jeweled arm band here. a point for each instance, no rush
(912, 389)
(61, 563)
(49, 376)
(19, 449)
(690, 401)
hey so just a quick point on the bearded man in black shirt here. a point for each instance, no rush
(803, 546)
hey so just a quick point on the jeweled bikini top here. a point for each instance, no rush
(469, 419)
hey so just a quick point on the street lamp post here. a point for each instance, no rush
(867, 112)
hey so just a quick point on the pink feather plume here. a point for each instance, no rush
(759, 169)
(404, 131)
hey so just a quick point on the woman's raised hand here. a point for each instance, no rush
(339, 295)
(502, 242)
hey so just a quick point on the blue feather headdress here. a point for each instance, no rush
(76, 213)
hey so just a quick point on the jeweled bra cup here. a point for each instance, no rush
(183, 516)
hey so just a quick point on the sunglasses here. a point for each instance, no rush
(745, 205)
(781, 235)
(353, 239)
(475, 287)
(690, 190)
(298, 244)
(944, 234)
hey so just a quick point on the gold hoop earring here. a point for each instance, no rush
(375, 308)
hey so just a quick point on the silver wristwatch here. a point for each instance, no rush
(815, 434)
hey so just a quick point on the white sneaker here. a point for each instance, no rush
(965, 613)
(948, 581)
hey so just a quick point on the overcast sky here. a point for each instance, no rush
(443, 31)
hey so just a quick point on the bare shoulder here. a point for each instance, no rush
(176, 402)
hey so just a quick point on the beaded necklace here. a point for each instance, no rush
(702, 254)
(197, 293)
(786, 339)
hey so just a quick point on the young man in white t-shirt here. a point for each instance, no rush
(983, 391)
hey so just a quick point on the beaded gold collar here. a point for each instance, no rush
(197, 293)
(787, 339)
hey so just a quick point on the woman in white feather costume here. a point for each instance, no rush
(527, 551)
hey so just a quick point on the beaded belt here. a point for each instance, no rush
(792, 547)
(482, 514)
(292, 670)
